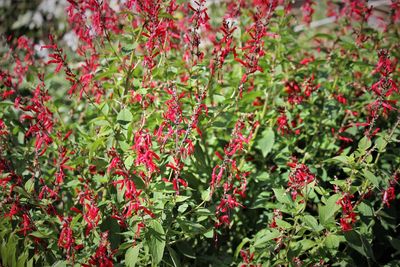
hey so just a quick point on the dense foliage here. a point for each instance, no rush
(188, 133)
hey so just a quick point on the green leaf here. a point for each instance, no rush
(132, 256)
(394, 242)
(191, 227)
(262, 177)
(326, 212)
(305, 244)
(186, 250)
(359, 243)
(371, 177)
(6, 103)
(312, 222)
(129, 47)
(22, 259)
(239, 248)
(381, 144)
(8, 250)
(264, 236)
(100, 121)
(60, 264)
(266, 143)
(364, 144)
(343, 159)
(29, 185)
(156, 241)
(365, 209)
(209, 234)
(200, 158)
(166, 15)
(181, 198)
(40, 234)
(321, 35)
(283, 224)
(129, 162)
(205, 195)
(282, 196)
(182, 208)
(332, 241)
(124, 116)
(174, 257)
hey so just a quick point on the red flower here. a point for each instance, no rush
(91, 216)
(15, 208)
(26, 224)
(299, 177)
(114, 164)
(395, 6)
(40, 117)
(356, 10)
(104, 255)
(307, 60)
(348, 215)
(144, 154)
(340, 98)
(294, 91)
(308, 11)
(66, 239)
(223, 47)
(388, 196)
(283, 126)
(277, 215)
(247, 258)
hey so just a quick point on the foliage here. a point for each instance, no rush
(194, 134)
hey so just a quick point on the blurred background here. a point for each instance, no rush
(37, 18)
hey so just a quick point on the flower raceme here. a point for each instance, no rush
(390, 193)
(382, 90)
(66, 239)
(300, 176)
(230, 171)
(104, 255)
(308, 11)
(348, 215)
(40, 117)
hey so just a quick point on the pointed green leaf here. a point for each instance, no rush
(266, 143)
(124, 116)
(156, 241)
(131, 256)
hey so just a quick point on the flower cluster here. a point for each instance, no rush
(348, 214)
(382, 89)
(145, 156)
(308, 11)
(357, 10)
(231, 172)
(390, 193)
(223, 47)
(288, 127)
(104, 255)
(91, 17)
(40, 118)
(192, 39)
(66, 239)
(300, 176)
(247, 258)
(254, 47)
(133, 196)
(295, 93)
(277, 215)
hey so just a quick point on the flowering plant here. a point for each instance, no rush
(197, 133)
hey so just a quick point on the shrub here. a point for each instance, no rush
(195, 133)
